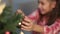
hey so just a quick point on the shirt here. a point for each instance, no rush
(52, 29)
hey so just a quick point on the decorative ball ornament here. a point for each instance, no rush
(21, 32)
(7, 32)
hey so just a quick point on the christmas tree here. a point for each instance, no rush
(9, 22)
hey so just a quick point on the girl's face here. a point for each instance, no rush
(46, 6)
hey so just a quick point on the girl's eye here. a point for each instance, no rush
(40, 2)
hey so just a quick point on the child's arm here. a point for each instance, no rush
(53, 29)
(34, 15)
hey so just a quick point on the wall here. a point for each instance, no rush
(26, 5)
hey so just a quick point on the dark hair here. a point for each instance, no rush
(54, 14)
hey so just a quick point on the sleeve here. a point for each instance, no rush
(53, 29)
(34, 15)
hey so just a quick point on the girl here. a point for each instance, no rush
(45, 20)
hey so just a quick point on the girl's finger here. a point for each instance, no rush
(25, 23)
(25, 27)
(27, 19)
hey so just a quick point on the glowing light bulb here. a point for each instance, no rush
(20, 23)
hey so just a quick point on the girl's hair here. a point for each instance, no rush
(54, 14)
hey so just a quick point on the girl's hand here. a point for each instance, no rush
(19, 11)
(27, 24)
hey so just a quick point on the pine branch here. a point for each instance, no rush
(9, 21)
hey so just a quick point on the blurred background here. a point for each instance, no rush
(26, 5)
